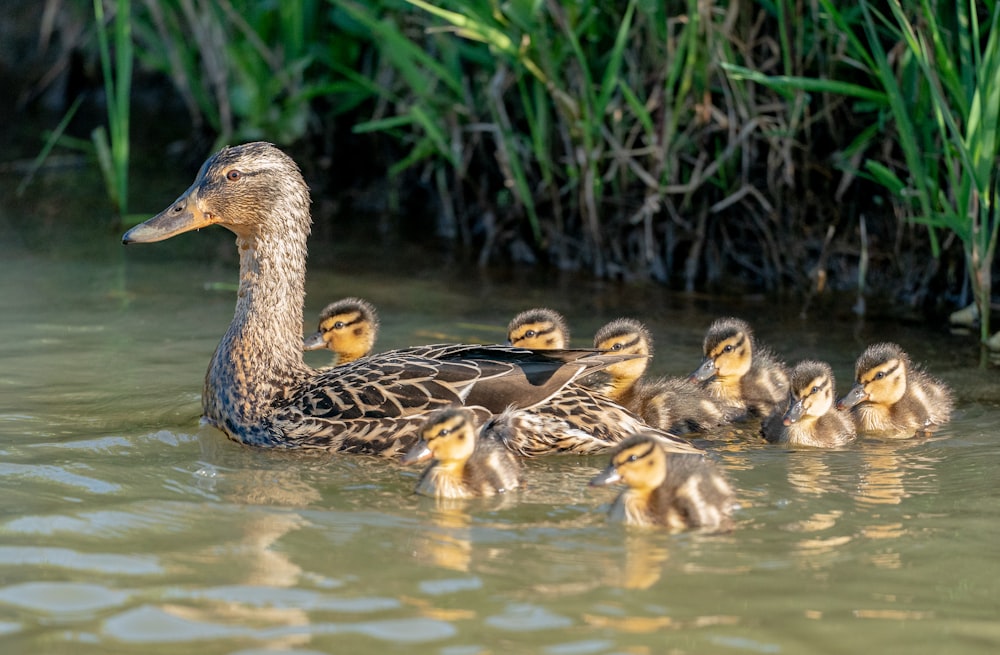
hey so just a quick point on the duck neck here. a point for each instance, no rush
(260, 355)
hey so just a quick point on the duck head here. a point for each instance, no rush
(449, 436)
(639, 461)
(879, 376)
(538, 329)
(348, 327)
(728, 349)
(630, 337)
(812, 390)
(245, 188)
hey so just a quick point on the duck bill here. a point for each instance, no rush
(605, 477)
(706, 371)
(794, 413)
(182, 216)
(420, 452)
(853, 397)
(314, 342)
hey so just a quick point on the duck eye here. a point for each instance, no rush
(815, 389)
(530, 333)
(617, 346)
(339, 325)
(633, 458)
(233, 175)
(728, 349)
(444, 432)
(880, 375)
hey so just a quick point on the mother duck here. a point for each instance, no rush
(259, 391)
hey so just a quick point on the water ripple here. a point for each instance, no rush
(71, 559)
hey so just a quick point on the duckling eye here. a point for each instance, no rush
(618, 346)
(444, 432)
(815, 389)
(233, 175)
(339, 325)
(880, 375)
(632, 458)
(728, 349)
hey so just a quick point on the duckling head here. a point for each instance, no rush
(539, 329)
(812, 388)
(248, 189)
(728, 350)
(626, 336)
(348, 327)
(879, 376)
(448, 435)
(639, 461)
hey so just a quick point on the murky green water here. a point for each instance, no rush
(126, 528)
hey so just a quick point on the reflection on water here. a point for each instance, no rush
(125, 527)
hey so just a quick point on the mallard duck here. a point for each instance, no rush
(811, 419)
(258, 389)
(539, 329)
(347, 327)
(891, 395)
(676, 491)
(674, 404)
(740, 372)
(466, 462)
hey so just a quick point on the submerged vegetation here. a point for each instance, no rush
(736, 145)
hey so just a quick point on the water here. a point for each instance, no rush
(127, 528)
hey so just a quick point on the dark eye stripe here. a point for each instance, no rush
(722, 346)
(885, 373)
(630, 453)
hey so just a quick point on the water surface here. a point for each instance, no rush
(125, 527)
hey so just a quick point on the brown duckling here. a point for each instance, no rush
(674, 404)
(347, 327)
(539, 329)
(811, 419)
(892, 395)
(675, 491)
(739, 371)
(466, 463)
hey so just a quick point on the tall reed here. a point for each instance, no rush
(112, 144)
(933, 82)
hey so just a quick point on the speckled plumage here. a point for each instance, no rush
(258, 389)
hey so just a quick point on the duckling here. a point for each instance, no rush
(538, 329)
(259, 391)
(677, 405)
(467, 463)
(347, 327)
(675, 491)
(810, 419)
(739, 371)
(892, 395)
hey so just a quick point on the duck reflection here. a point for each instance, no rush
(447, 542)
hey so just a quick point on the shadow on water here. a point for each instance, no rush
(127, 527)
